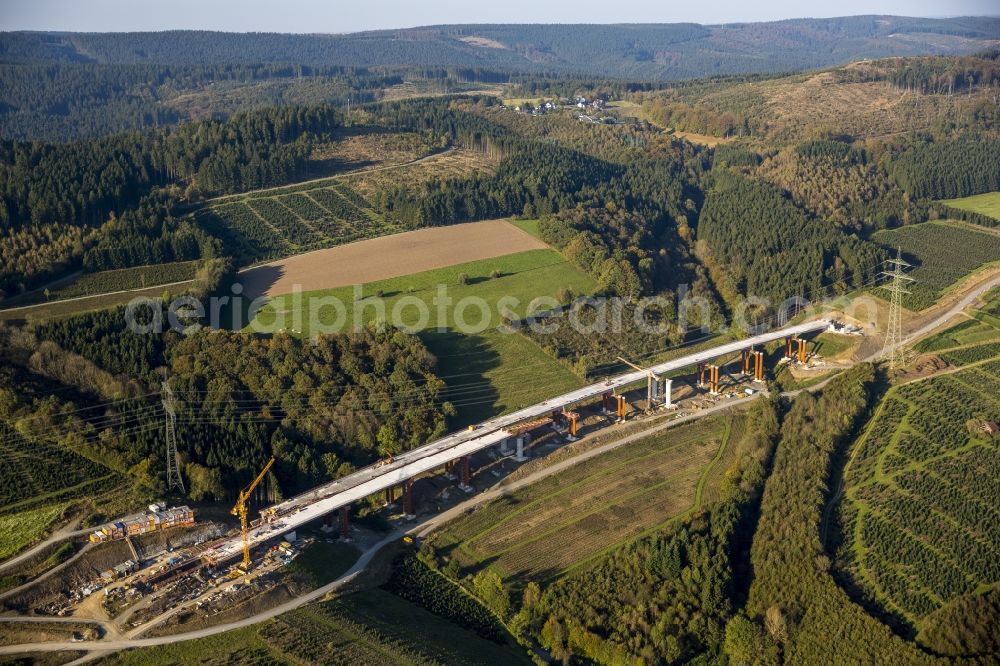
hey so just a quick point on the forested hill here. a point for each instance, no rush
(646, 51)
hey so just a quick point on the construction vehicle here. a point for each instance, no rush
(241, 510)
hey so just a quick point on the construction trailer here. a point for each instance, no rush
(144, 523)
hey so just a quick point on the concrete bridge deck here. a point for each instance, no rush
(325, 499)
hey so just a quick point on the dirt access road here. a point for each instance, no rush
(387, 257)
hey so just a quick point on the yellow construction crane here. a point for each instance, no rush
(241, 510)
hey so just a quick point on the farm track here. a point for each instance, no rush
(102, 294)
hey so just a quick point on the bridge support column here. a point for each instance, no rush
(408, 499)
(620, 411)
(466, 484)
(345, 523)
(788, 348)
(667, 386)
(713, 379)
(558, 420)
(758, 367)
(745, 359)
(519, 456)
(606, 402)
(801, 350)
(390, 495)
(449, 470)
(505, 447)
(572, 418)
(701, 374)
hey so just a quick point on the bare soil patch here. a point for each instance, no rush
(484, 42)
(388, 257)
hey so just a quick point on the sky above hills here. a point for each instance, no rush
(341, 16)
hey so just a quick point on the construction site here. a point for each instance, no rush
(155, 571)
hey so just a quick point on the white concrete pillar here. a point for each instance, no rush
(667, 385)
(520, 449)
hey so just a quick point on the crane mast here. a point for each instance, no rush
(241, 510)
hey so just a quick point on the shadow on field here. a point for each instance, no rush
(463, 361)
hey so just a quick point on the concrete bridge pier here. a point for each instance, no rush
(345, 523)
(519, 454)
(408, 500)
(606, 403)
(758, 366)
(466, 484)
(713, 379)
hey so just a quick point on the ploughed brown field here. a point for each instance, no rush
(387, 257)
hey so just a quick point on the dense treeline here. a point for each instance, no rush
(934, 75)
(948, 169)
(69, 101)
(794, 601)
(82, 182)
(320, 407)
(665, 598)
(968, 626)
(148, 234)
(772, 249)
(843, 182)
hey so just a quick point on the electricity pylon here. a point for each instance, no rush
(892, 350)
(173, 469)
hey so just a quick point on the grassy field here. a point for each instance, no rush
(487, 371)
(985, 204)
(324, 562)
(38, 481)
(572, 517)
(530, 226)
(19, 530)
(919, 518)
(370, 627)
(831, 345)
(943, 254)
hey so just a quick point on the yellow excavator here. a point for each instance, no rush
(241, 510)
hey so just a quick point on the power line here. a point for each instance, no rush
(893, 350)
(170, 424)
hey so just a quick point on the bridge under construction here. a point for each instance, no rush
(509, 433)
